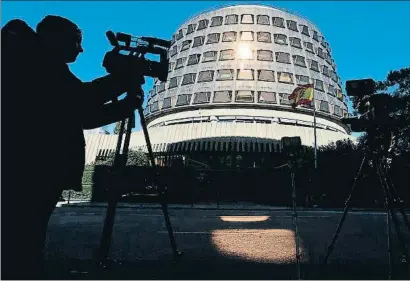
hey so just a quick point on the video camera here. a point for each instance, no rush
(373, 108)
(135, 62)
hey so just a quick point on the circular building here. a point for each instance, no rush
(231, 72)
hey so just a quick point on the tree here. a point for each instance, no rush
(135, 158)
(127, 123)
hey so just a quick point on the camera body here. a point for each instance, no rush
(373, 108)
(134, 63)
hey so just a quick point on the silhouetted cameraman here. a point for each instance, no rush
(48, 154)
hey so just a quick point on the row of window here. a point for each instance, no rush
(241, 96)
(265, 75)
(261, 55)
(246, 36)
(250, 19)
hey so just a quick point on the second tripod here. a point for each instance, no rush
(391, 199)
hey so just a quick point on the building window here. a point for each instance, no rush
(227, 55)
(183, 100)
(309, 47)
(325, 71)
(282, 57)
(173, 51)
(285, 77)
(247, 19)
(146, 111)
(322, 42)
(224, 74)
(302, 79)
(222, 96)
(213, 38)
(246, 35)
(180, 62)
(265, 55)
(334, 76)
(295, 42)
(216, 21)
(179, 35)
(314, 65)
(281, 39)
(244, 96)
(203, 24)
(201, 97)
(171, 66)
(191, 28)
(338, 111)
(305, 30)
(292, 25)
(320, 53)
(263, 20)
(161, 87)
(173, 40)
(185, 45)
(319, 85)
(189, 78)
(328, 59)
(324, 106)
(154, 107)
(245, 74)
(266, 97)
(315, 36)
(198, 41)
(266, 75)
(331, 90)
(229, 36)
(206, 76)
(166, 103)
(231, 19)
(209, 56)
(279, 22)
(299, 61)
(174, 82)
(194, 59)
(264, 37)
(284, 99)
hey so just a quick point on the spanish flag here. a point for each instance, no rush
(302, 95)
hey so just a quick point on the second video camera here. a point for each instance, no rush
(373, 108)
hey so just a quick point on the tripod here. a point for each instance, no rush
(115, 194)
(292, 167)
(391, 198)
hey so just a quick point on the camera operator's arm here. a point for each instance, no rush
(106, 114)
(104, 89)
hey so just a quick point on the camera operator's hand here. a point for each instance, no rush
(135, 96)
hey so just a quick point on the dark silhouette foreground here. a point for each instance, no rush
(47, 108)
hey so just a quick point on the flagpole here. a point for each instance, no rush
(314, 124)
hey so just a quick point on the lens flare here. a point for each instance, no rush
(244, 51)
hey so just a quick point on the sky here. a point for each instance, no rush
(368, 39)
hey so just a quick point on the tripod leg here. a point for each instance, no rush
(396, 199)
(292, 174)
(105, 242)
(393, 214)
(339, 227)
(389, 246)
(106, 236)
(160, 187)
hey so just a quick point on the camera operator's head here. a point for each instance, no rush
(60, 38)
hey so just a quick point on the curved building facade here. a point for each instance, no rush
(231, 71)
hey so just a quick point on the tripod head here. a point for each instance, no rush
(134, 61)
